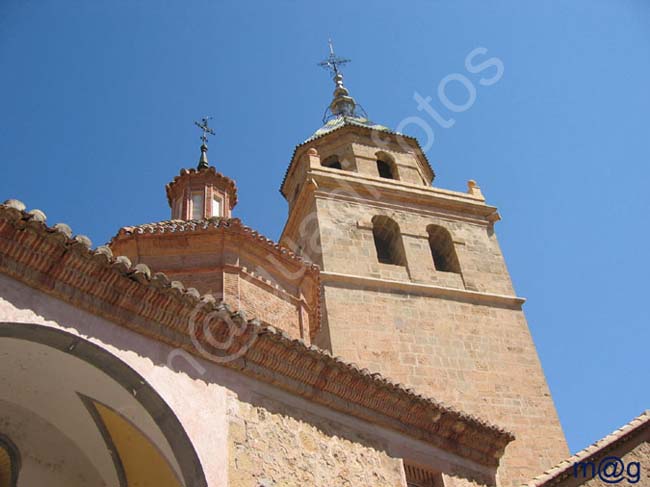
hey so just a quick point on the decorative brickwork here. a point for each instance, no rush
(210, 185)
(52, 261)
(375, 267)
(235, 264)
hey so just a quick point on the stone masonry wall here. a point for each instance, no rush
(246, 433)
(348, 247)
(274, 445)
(477, 357)
(361, 158)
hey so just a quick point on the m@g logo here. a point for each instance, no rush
(610, 470)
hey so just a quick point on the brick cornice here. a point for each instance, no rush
(232, 230)
(206, 175)
(230, 225)
(51, 260)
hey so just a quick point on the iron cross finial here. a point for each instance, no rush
(203, 125)
(332, 63)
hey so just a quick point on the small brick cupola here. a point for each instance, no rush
(197, 194)
(201, 193)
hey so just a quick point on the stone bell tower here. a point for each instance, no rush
(414, 284)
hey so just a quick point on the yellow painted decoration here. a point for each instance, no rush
(144, 465)
(5, 468)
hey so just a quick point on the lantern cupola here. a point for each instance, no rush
(201, 193)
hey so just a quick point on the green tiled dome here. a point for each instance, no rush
(340, 121)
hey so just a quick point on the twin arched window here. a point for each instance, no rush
(390, 249)
(385, 165)
(388, 241)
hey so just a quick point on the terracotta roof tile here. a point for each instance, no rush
(600, 447)
(235, 224)
(389, 403)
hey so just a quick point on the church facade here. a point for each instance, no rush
(379, 343)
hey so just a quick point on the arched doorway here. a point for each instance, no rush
(77, 415)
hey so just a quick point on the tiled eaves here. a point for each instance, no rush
(230, 225)
(347, 125)
(51, 260)
(215, 223)
(593, 452)
(228, 183)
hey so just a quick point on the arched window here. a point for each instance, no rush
(332, 162)
(384, 169)
(386, 166)
(388, 241)
(442, 249)
(217, 206)
(197, 205)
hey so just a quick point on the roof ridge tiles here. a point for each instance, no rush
(560, 470)
(181, 226)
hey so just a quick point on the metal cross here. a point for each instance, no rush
(332, 63)
(206, 130)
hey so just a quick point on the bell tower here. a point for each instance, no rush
(413, 282)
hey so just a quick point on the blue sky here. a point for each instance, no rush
(98, 99)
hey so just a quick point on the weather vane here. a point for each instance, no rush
(203, 125)
(332, 63)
